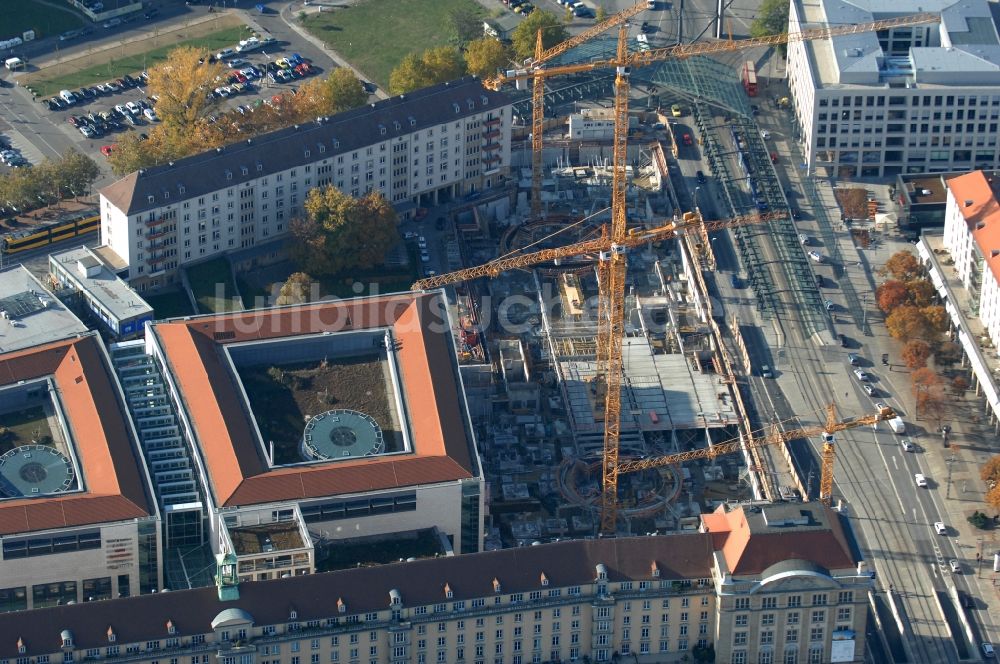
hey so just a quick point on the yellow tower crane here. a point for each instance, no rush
(534, 70)
(538, 89)
(776, 437)
(612, 264)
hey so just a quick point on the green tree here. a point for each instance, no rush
(295, 290)
(485, 56)
(466, 26)
(184, 83)
(772, 19)
(78, 172)
(345, 91)
(435, 65)
(525, 34)
(601, 14)
(340, 233)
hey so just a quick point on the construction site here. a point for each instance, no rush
(606, 391)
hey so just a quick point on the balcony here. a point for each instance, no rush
(491, 159)
(493, 122)
(150, 223)
(492, 134)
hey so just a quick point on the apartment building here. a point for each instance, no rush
(655, 599)
(972, 237)
(417, 149)
(908, 100)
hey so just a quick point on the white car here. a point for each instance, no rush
(988, 651)
(409, 235)
(816, 256)
(804, 239)
(869, 390)
(422, 242)
(765, 134)
(860, 375)
(940, 528)
(150, 114)
(920, 480)
(908, 446)
(955, 567)
(133, 108)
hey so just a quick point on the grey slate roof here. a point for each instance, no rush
(286, 148)
(314, 597)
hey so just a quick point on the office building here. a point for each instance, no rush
(419, 149)
(654, 599)
(908, 100)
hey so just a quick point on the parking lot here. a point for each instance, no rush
(95, 115)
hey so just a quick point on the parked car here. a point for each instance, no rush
(860, 375)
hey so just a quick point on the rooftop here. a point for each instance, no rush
(232, 165)
(434, 417)
(974, 197)
(753, 538)
(265, 538)
(315, 596)
(89, 272)
(33, 316)
(115, 484)
(964, 49)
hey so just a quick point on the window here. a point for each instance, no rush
(741, 620)
(739, 638)
(742, 603)
(845, 597)
(794, 601)
(769, 603)
(819, 599)
(792, 618)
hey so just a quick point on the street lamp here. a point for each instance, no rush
(696, 190)
(950, 460)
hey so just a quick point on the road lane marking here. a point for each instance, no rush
(894, 463)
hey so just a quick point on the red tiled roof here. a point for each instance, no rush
(749, 551)
(239, 474)
(115, 484)
(982, 210)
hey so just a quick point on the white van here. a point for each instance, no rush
(920, 479)
(14, 63)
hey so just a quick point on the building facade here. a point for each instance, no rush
(419, 149)
(909, 100)
(655, 599)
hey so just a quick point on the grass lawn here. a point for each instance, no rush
(170, 304)
(31, 15)
(375, 35)
(212, 283)
(118, 67)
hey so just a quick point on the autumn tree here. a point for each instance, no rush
(915, 353)
(907, 322)
(959, 385)
(928, 388)
(485, 56)
(526, 33)
(184, 84)
(936, 317)
(990, 471)
(924, 378)
(435, 65)
(891, 294)
(295, 290)
(993, 497)
(904, 266)
(341, 233)
(921, 292)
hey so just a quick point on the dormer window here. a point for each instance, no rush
(496, 585)
(245, 170)
(458, 109)
(341, 606)
(21, 648)
(112, 637)
(336, 145)
(171, 627)
(448, 592)
(67, 639)
(381, 130)
(151, 198)
(395, 599)
(413, 121)
(229, 175)
(166, 195)
(545, 579)
(397, 125)
(293, 615)
(307, 154)
(602, 572)
(322, 148)
(260, 167)
(181, 189)
(472, 104)
(485, 100)
(656, 570)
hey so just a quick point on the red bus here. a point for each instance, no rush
(749, 78)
